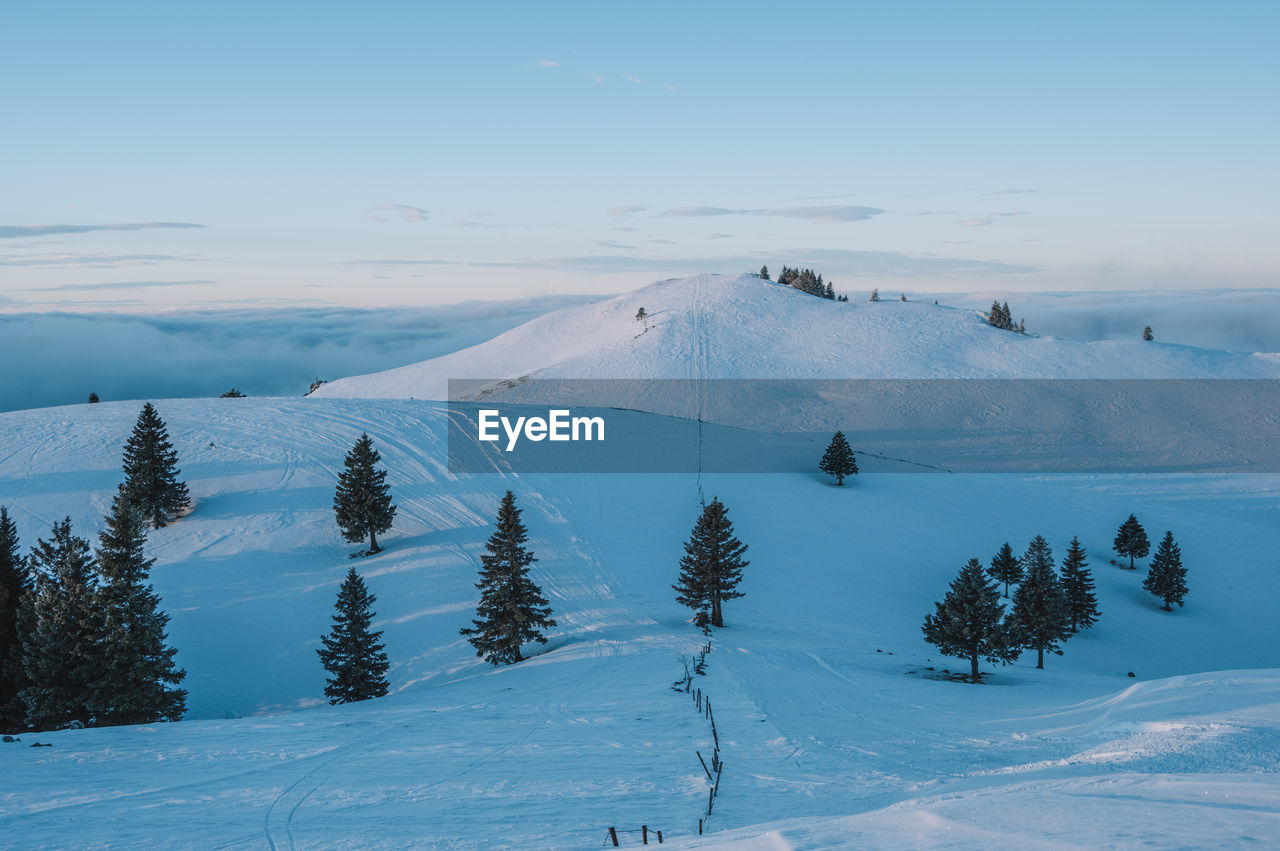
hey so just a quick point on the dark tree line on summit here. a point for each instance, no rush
(805, 280)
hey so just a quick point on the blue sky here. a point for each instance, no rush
(162, 154)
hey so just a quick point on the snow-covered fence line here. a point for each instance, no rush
(702, 703)
(644, 832)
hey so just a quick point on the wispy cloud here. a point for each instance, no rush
(407, 212)
(97, 261)
(1013, 213)
(400, 262)
(828, 213)
(627, 209)
(1015, 191)
(116, 285)
(595, 78)
(974, 223)
(632, 79)
(548, 63)
(719, 236)
(671, 87)
(16, 231)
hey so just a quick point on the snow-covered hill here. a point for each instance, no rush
(716, 326)
(834, 724)
(832, 729)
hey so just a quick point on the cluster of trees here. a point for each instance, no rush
(1049, 606)
(1147, 335)
(805, 280)
(1166, 577)
(1000, 317)
(83, 641)
(512, 611)
(875, 296)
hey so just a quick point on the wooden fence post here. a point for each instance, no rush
(613, 835)
(699, 827)
(659, 837)
(704, 766)
(644, 834)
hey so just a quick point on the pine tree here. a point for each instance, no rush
(995, 316)
(138, 681)
(15, 585)
(904, 297)
(62, 633)
(1007, 315)
(764, 272)
(151, 471)
(1166, 577)
(1077, 585)
(1131, 540)
(93, 398)
(1147, 335)
(968, 622)
(512, 611)
(838, 460)
(1039, 620)
(875, 295)
(711, 567)
(351, 653)
(1006, 568)
(362, 502)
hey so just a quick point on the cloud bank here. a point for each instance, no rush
(64, 357)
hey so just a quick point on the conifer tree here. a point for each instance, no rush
(62, 633)
(1131, 540)
(151, 471)
(1147, 335)
(764, 272)
(968, 622)
(362, 501)
(351, 653)
(711, 567)
(1039, 619)
(904, 297)
(1166, 577)
(138, 680)
(15, 585)
(93, 398)
(830, 292)
(1006, 568)
(512, 611)
(875, 295)
(995, 315)
(838, 460)
(1007, 315)
(1077, 585)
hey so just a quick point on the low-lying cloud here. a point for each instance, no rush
(263, 352)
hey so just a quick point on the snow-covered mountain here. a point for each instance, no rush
(718, 326)
(833, 720)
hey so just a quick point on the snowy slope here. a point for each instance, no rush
(833, 731)
(715, 326)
